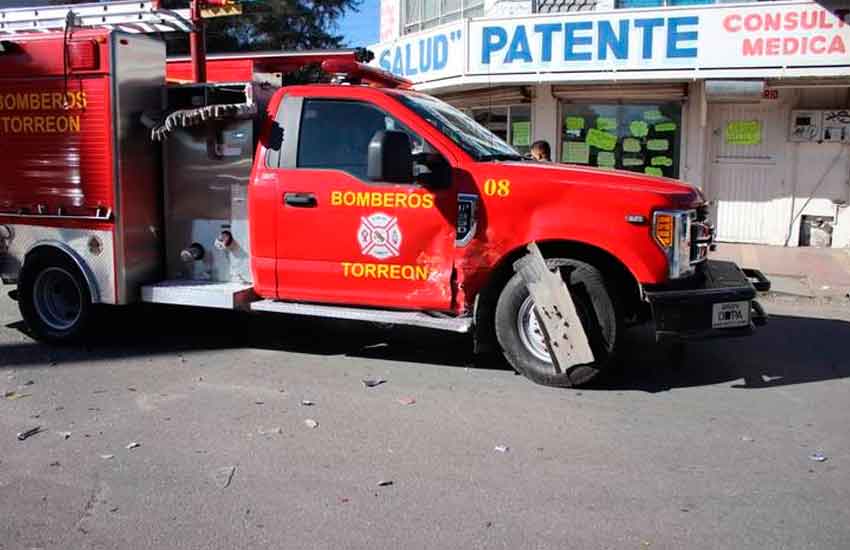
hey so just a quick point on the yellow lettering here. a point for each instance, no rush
(82, 100)
(428, 201)
(401, 200)
(45, 100)
(51, 124)
(348, 198)
(39, 124)
(336, 198)
(61, 124)
(414, 200)
(362, 199)
(407, 272)
(357, 270)
(421, 273)
(34, 103)
(56, 100)
(9, 102)
(370, 270)
(389, 200)
(383, 271)
(5, 121)
(346, 266)
(16, 125)
(377, 201)
(394, 271)
(27, 124)
(74, 123)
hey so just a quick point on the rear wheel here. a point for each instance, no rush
(54, 298)
(521, 337)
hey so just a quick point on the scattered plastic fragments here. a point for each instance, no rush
(307, 403)
(28, 433)
(107, 457)
(65, 435)
(818, 456)
(310, 423)
(133, 445)
(223, 476)
(29, 383)
(272, 431)
(501, 448)
(372, 382)
(407, 400)
(747, 438)
(13, 395)
(385, 483)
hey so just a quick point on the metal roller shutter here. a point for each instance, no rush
(622, 93)
(487, 97)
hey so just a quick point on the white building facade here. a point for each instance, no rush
(750, 101)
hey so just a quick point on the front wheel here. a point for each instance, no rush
(54, 298)
(522, 340)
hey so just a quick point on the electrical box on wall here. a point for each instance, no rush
(836, 125)
(805, 126)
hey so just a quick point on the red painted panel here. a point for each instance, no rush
(55, 156)
(218, 70)
(41, 54)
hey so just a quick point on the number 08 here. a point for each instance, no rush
(499, 188)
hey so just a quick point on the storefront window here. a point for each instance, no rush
(512, 124)
(424, 14)
(638, 137)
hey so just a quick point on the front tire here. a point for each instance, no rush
(522, 340)
(54, 298)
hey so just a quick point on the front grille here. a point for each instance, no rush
(702, 235)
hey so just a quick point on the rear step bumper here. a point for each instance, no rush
(695, 309)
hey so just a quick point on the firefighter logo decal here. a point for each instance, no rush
(379, 236)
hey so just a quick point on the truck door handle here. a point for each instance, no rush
(300, 200)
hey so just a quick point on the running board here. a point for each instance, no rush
(393, 317)
(199, 293)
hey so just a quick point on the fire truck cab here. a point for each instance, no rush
(360, 199)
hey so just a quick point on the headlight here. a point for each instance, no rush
(671, 230)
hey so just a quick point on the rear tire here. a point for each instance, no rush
(54, 298)
(523, 344)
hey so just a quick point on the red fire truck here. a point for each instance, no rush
(358, 199)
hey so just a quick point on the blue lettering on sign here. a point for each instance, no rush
(418, 57)
(591, 40)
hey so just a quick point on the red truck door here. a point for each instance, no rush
(344, 239)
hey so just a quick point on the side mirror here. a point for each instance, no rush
(390, 157)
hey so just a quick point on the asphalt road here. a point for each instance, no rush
(712, 454)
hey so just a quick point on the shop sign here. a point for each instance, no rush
(425, 56)
(762, 35)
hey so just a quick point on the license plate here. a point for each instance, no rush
(730, 314)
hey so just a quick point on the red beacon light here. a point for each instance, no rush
(355, 73)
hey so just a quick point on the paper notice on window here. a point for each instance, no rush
(665, 127)
(606, 159)
(653, 116)
(575, 123)
(658, 144)
(653, 171)
(601, 140)
(576, 152)
(606, 123)
(661, 161)
(639, 128)
(521, 134)
(631, 145)
(743, 132)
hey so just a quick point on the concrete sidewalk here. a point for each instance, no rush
(797, 271)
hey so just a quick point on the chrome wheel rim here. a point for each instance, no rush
(58, 299)
(530, 333)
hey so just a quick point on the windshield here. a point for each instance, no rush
(478, 141)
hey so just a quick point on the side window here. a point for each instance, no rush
(335, 134)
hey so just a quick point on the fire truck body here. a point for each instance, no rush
(253, 202)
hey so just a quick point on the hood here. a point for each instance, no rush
(677, 191)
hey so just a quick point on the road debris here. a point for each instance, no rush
(13, 395)
(747, 438)
(223, 476)
(817, 456)
(273, 431)
(310, 423)
(259, 402)
(29, 382)
(107, 457)
(385, 483)
(307, 403)
(28, 433)
(65, 435)
(406, 400)
(501, 448)
(55, 463)
(372, 382)
(133, 445)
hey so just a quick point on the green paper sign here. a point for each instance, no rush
(601, 140)
(576, 152)
(653, 171)
(665, 127)
(606, 159)
(653, 116)
(743, 132)
(606, 123)
(662, 161)
(632, 161)
(639, 128)
(521, 134)
(631, 145)
(658, 145)
(575, 123)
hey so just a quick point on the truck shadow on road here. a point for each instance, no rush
(790, 350)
